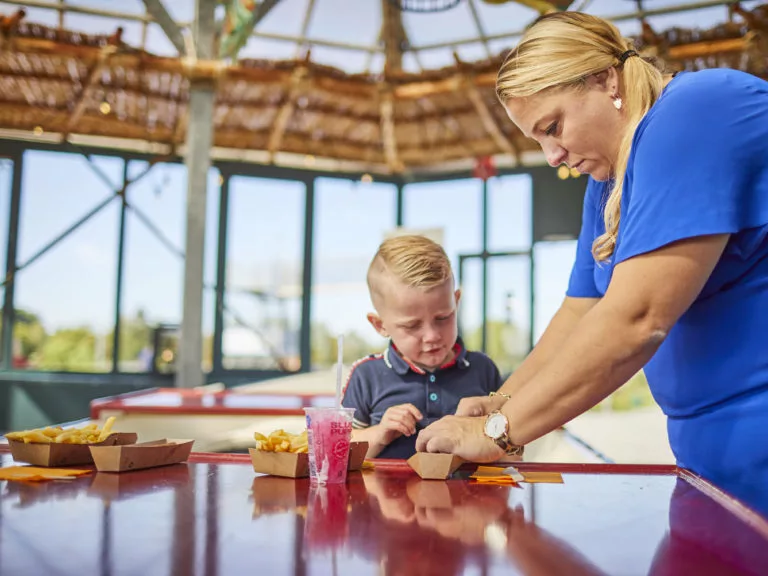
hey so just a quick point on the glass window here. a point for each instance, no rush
(153, 274)
(509, 306)
(65, 300)
(471, 304)
(554, 261)
(340, 299)
(265, 238)
(509, 213)
(453, 207)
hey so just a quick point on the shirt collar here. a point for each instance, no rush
(401, 366)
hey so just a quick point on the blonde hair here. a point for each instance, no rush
(413, 260)
(562, 50)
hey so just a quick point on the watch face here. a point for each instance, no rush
(496, 425)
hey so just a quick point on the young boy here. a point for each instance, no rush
(425, 370)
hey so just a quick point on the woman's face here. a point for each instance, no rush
(579, 127)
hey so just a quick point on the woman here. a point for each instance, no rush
(671, 272)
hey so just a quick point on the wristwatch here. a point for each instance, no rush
(497, 429)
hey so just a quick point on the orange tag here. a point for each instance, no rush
(543, 477)
(39, 474)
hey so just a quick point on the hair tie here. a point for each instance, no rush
(627, 54)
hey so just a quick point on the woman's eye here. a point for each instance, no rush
(552, 129)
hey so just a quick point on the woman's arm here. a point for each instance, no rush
(611, 342)
(561, 325)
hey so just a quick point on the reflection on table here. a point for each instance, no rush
(214, 516)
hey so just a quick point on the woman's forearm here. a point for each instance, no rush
(560, 327)
(606, 347)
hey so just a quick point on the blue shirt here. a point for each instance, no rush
(380, 381)
(699, 166)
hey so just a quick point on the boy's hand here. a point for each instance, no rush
(399, 420)
(479, 405)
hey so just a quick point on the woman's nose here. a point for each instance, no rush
(555, 155)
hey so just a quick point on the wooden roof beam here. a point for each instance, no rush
(707, 48)
(286, 111)
(505, 144)
(81, 100)
(393, 34)
(172, 30)
(387, 107)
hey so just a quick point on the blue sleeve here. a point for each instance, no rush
(357, 396)
(582, 281)
(699, 164)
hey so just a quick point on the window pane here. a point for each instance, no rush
(265, 238)
(66, 299)
(153, 275)
(453, 206)
(554, 261)
(471, 304)
(509, 311)
(509, 213)
(340, 300)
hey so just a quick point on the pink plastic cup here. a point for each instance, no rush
(329, 431)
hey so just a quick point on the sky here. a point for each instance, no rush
(74, 284)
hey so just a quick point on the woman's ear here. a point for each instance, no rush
(377, 324)
(605, 81)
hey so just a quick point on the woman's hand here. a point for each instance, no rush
(461, 436)
(479, 405)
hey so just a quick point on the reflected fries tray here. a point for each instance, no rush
(285, 454)
(140, 456)
(430, 466)
(55, 446)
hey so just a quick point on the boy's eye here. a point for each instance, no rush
(551, 129)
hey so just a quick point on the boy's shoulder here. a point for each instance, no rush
(365, 364)
(478, 358)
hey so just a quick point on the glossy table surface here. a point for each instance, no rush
(176, 401)
(215, 516)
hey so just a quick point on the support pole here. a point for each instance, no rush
(189, 372)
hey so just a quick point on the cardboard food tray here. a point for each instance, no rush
(56, 455)
(432, 466)
(290, 465)
(141, 456)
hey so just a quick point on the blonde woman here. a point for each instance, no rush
(671, 272)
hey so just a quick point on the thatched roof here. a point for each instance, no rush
(58, 81)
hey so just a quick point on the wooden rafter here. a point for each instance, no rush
(81, 100)
(505, 144)
(285, 111)
(387, 107)
(393, 34)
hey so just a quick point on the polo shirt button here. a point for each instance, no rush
(433, 396)
(432, 378)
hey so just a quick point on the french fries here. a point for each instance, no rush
(90, 434)
(282, 441)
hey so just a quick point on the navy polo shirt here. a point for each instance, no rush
(380, 381)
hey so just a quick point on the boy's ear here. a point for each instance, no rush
(457, 295)
(377, 324)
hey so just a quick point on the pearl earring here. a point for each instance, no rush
(617, 103)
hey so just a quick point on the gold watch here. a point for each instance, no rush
(497, 429)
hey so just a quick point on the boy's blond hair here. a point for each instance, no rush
(413, 260)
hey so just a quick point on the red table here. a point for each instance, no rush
(169, 401)
(215, 516)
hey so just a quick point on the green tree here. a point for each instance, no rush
(70, 349)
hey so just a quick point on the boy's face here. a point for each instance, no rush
(421, 322)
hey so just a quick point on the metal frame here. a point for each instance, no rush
(15, 149)
(481, 38)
